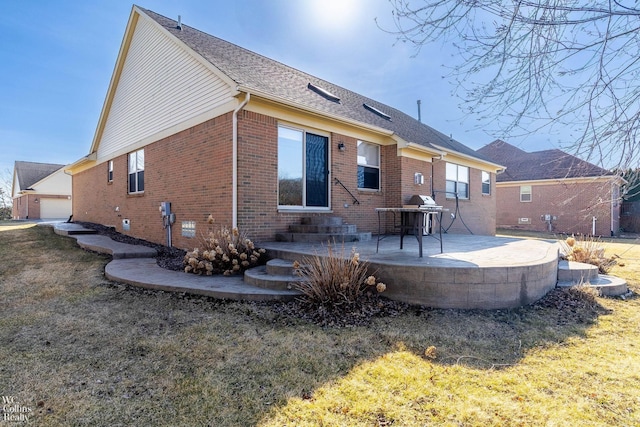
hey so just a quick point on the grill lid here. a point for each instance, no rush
(419, 200)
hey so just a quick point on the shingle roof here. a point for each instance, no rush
(546, 164)
(28, 173)
(253, 71)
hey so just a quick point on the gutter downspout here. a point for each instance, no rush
(234, 179)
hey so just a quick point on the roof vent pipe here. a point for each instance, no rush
(419, 117)
(179, 23)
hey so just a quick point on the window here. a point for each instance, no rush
(368, 166)
(303, 173)
(136, 171)
(486, 183)
(525, 193)
(189, 228)
(457, 181)
(110, 171)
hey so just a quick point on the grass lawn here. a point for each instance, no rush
(77, 349)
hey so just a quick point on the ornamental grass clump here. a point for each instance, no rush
(588, 250)
(222, 251)
(334, 279)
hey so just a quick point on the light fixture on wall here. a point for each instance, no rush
(36, 200)
(341, 146)
(418, 178)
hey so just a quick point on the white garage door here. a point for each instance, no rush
(55, 208)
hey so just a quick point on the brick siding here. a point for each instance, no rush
(477, 214)
(193, 170)
(574, 205)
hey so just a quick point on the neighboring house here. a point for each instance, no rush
(216, 129)
(551, 190)
(40, 191)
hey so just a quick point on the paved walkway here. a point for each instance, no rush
(136, 265)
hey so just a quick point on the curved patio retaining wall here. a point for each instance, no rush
(474, 272)
(470, 287)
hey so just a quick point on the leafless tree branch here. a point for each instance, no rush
(527, 66)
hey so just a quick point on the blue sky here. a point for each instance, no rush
(58, 56)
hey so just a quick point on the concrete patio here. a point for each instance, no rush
(483, 272)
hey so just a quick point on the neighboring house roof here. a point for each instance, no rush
(539, 165)
(266, 77)
(28, 173)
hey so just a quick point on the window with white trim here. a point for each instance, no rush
(303, 169)
(110, 171)
(368, 166)
(486, 183)
(457, 181)
(525, 193)
(136, 172)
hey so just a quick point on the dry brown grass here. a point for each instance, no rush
(79, 350)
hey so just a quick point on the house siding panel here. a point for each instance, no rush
(161, 85)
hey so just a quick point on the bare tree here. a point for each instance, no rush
(6, 201)
(531, 66)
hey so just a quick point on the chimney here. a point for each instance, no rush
(419, 118)
(179, 23)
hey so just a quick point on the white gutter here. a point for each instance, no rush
(424, 149)
(496, 166)
(234, 179)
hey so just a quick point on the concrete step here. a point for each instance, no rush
(71, 229)
(261, 278)
(576, 272)
(280, 267)
(321, 220)
(322, 228)
(322, 237)
(609, 286)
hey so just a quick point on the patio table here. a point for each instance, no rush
(416, 220)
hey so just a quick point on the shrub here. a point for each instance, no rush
(588, 250)
(335, 279)
(5, 212)
(222, 250)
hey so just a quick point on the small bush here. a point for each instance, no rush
(335, 279)
(588, 250)
(222, 251)
(5, 212)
